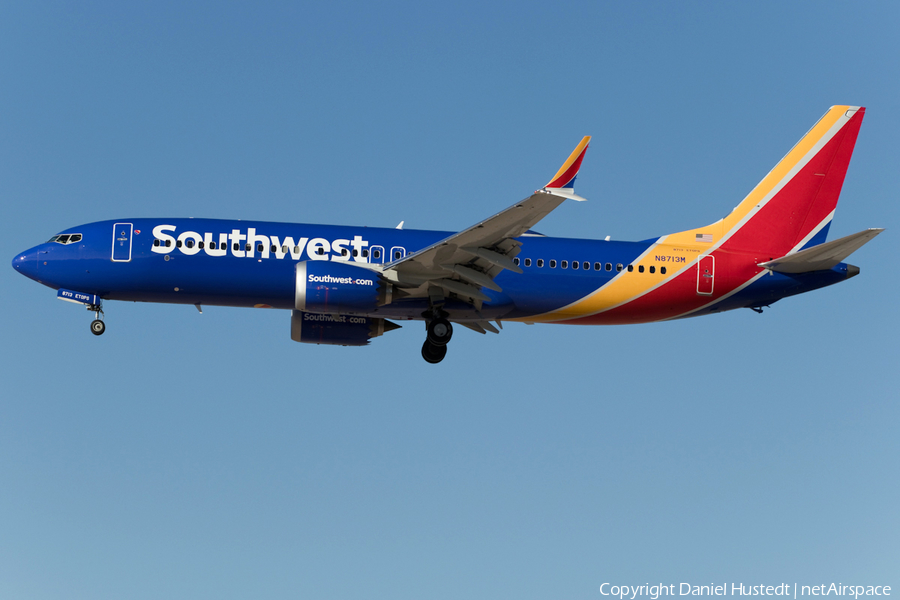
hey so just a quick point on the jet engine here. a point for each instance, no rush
(337, 330)
(339, 287)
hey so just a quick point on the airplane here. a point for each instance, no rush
(343, 284)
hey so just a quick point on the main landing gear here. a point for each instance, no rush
(439, 332)
(97, 325)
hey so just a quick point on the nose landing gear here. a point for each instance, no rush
(97, 325)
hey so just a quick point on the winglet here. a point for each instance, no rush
(565, 177)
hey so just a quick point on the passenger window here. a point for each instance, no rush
(296, 249)
(343, 252)
(516, 261)
(320, 251)
(248, 247)
(355, 253)
(574, 264)
(365, 253)
(284, 249)
(564, 264)
(640, 268)
(597, 266)
(630, 268)
(396, 256)
(609, 266)
(552, 263)
(189, 243)
(212, 245)
(540, 262)
(235, 247)
(527, 262)
(377, 254)
(619, 267)
(168, 243)
(586, 265)
(156, 243)
(652, 269)
(272, 248)
(259, 247)
(200, 245)
(662, 270)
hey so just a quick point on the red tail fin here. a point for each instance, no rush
(796, 200)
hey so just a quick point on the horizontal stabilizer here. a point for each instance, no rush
(822, 257)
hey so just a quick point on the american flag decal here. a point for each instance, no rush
(704, 237)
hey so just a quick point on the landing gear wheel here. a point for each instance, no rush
(98, 327)
(439, 332)
(433, 354)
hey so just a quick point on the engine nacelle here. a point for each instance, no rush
(338, 330)
(338, 287)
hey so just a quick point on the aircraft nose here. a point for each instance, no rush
(26, 263)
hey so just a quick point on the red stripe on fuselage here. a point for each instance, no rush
(679, 295)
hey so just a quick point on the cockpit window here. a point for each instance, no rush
(66, 238)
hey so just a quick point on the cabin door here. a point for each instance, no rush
(706, 270)
(121, 247)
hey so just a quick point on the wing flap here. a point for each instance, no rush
(495, 258)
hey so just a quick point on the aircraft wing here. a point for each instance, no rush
(821, 257)
(468, 261)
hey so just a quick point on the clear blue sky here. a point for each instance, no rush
(209, 456)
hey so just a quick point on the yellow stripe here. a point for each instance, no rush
(572, 158)
(628, 286)
(625, 286)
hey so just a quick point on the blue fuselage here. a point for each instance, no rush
(247, 263)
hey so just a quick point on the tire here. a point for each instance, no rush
(439, 332)
(433, 354)
(98, 327)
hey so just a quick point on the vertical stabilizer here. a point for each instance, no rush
(794, 203)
